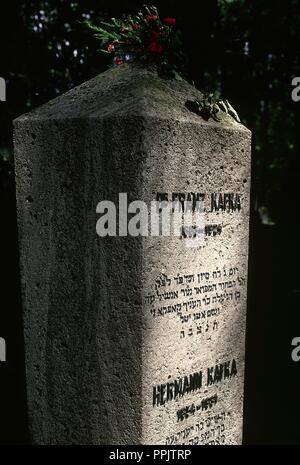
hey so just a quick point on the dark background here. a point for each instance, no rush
(249, 51)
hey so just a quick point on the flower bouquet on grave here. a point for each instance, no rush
(144, 37)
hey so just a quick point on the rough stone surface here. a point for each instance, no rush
(114, 327)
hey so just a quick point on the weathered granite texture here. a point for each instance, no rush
(114, 325)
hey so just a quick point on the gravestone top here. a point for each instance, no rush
(127, 90)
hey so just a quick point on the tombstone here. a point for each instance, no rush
(132, 340)
(2, 90)
(2, 350)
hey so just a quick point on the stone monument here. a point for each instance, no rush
(132, 340)
(2, 350)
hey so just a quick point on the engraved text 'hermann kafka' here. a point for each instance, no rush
(171, 390)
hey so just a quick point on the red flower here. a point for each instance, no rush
(170, 21)
(110, 48)
(135, 26)
(119, 61)
(154, 36)
(152, 18)
(154, 47)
